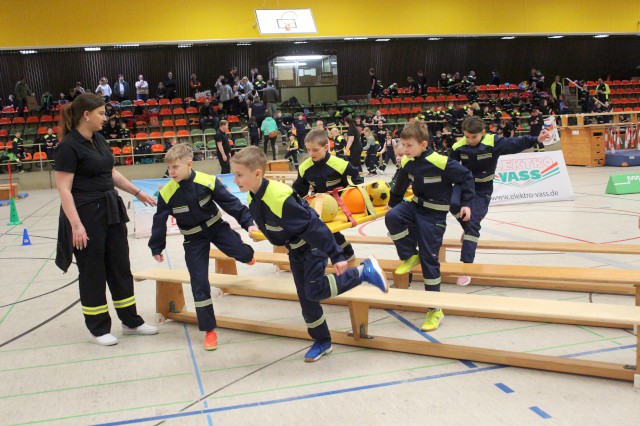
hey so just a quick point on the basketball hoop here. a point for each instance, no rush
(287, 20)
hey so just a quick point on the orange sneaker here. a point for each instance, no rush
(211, 341)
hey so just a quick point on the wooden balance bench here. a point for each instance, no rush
(171, 304)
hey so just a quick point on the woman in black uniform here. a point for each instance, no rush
(93, 220)
(354, 144)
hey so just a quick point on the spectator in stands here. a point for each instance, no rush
(121, 89)
(224, 149)
(46, 101)
(245, 85)
(471, 77)
(271, 97)
(373, 84)
(495, 78)
(301, 127)
(233, 74)
(225, 94)
(536, 122)
(414, 87)
(194, 86)
(254, 131)
(422, 82)
(536, 77)
(253, 75)
(282, 128)
(170, 86)
(505, 129)
(354, 144)
(124, 134)
(443, 83)
(208, 115)
(142, 89)
(557, 89)
(603, 108)
(602, 91)
(104, 88)
(110, 129)
(161, 91)
(12, 102)
(79, 89)
(260, 85)
(50, 141)
(22, 92)
(270, 131)
(455, 84)
(258, 110)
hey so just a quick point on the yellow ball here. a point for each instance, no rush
(329, 208)
(379, 193)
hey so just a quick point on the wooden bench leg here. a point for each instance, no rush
(169, 298)
(359, 320)
(226, 266)
(442, 254)
(280, 249)
(401, 281)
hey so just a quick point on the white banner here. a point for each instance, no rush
(551, 125)
(143, 216)
(533, 177)
(285, 21)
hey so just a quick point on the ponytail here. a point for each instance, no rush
(71, 113)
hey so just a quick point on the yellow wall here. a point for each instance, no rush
(37, 23)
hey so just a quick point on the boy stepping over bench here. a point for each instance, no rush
(191, 197)
(422, 221)
(479, 152)
(286, 219)
(325, 172)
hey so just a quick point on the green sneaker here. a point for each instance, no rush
(433, 319)
(407, 265)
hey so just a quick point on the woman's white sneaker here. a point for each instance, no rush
(143, 330)
(105, 340)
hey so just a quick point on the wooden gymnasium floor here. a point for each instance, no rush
(53, 375)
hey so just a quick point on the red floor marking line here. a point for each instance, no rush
(540, 230)
(361, 232)
(619, 241)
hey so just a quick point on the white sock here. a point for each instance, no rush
(360, 269)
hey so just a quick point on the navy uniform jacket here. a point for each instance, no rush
(482, 159)
(329, 173)
(432, 176)
(191, 202)
(286, 219)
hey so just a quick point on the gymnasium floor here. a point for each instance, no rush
(53, 375)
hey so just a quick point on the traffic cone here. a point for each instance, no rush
(26, 241)
(13, 215)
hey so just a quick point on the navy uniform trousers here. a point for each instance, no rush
(196, 254)
(479, 207)
(104, 261)
(308, 267)
(411, 226)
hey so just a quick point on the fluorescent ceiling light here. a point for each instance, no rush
(182, 46)
(303, 58)
(356, 38)
(289, 64)
(126, 45)
(244, 44)
(508, 38)
(299, 42)
(601, 36)
(28, 52)
(383, 39)
(556, 36)
(91, 49)
(434, 38)
(334, 63)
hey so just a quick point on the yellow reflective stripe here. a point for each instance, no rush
(168, 190)
(197, 229)
(181, 209)
(273, 228)
(432, 179)
(488, 139)
(405, 160)
(275, 196)
(203, 303)
(333, 286)
(205, 180)
(337, 164)
(302, 167)
(432, 281)
(333, 182)
(316, 323)
(124, 302)
(471, 238)
(297, 245)
(440, 161)
(486, 178)
(399, 235)
(433, 206)
(205, 200)
(461, 142)
(464, 157)
(485, 156)
(95, 310)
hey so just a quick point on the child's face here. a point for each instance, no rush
(245, 178)
(180, 170)
(414, 148)
(50, 131)
(399, 154)
(473, 138)
(316, 151)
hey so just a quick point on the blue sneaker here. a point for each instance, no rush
(374, 275)
(317, 351)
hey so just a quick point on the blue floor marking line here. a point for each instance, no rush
(597, 351)
(504, 388)
(539, 411)
(334, 392)
(197, 371)
(302, 397)
(166, 256)
(430, 338)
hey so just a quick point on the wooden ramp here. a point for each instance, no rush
(170, 303)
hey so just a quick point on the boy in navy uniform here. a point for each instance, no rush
(50, 142)
(536, 122)
(422, 221)
(324, 172)
(189, 197)
(479, 152)
(286, 219)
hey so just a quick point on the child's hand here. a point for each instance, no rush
(251, 230)
(465, 214)
(341, 267)
(159, 257)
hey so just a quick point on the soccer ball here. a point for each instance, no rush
(329, 208)
(379, 193)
